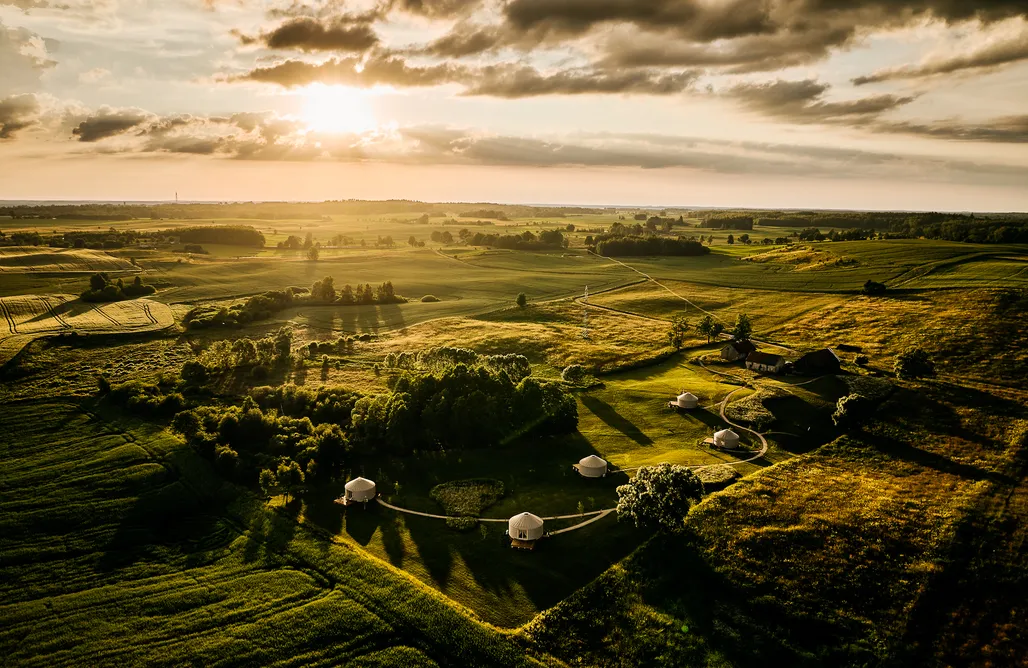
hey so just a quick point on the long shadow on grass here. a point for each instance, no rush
(612, 418)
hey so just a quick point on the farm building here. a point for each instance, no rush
(359, 490)
(524, 530)
(591, 467)
(737, 350)
(685, 401)
(819, 362)
(765, 363)
(726, 439)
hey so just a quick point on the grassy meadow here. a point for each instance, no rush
(896, 543)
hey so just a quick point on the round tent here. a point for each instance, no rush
(525, 526)
(592, 467)
(360, 490)
(686, 400)
(726, 439)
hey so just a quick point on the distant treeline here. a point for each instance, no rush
(651, 245)
(230, 235)
(548, 240)
(277, 210)
(947, 227)
(726, 222)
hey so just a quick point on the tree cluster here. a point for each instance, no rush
(659, 497)
(651, 245)
(229, 235)
(517, 367)
(547, 240)
(103, 289)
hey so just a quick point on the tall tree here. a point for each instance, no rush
(705, 327)
(677, 332)
(659, 496)
(743, 328)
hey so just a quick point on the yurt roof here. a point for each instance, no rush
(525, 521)
(359, 485)
(688, 396)
(592, 460)
(725, 433)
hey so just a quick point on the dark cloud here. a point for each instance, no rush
(309, 34)
(990, 55)
(109, 123)
(1006, 130)
(803, 101)
(17, 113)
(519, 82)
(377, 70)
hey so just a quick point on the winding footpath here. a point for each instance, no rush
(596, 515)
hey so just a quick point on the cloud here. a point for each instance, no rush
(519, 82)
(803, 101)
(310, 34)
(24, 57)
(1003, 49)
(94, 75)
(1007, 130)
(377, 70)
(17, 113)
(109, 123)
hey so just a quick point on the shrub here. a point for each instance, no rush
(716, 478)
(915, 363)
(862, 360)
(430, 299)
(873, 289)
(575, 374)
(521, 300)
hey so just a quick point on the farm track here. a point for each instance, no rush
(149, 315)
(7, 316)
(53, 312)
(106, 316)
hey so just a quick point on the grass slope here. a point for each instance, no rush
(119, 546)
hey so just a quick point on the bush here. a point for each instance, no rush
(573, 374)
(430, 299)
(873, 289)
(716, 478)
(913, 364)
(862, 360)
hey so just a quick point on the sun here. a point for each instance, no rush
(337, 110)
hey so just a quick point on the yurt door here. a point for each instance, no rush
(522, 534)
(349, 495)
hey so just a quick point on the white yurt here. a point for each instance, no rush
(360, 490)
(525, 526)
(592, 467)
(726, 439)
(686, 400)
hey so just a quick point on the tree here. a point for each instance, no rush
(874, 289)
(313, 253)
(522, 300)
(705, 327)
(98, 282)
(659, 496)
(574, 374)
(731, 239)
(308, 241)
(744, 238)
(411, 241)
(290, 478)
(676, 334)
(743, 328)
(915, 363)
(268, 482)
(852, 411)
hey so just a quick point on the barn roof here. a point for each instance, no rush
(765, 358)
(743, 346)
(825, 356)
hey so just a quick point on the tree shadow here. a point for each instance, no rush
(906, 452)
(609, 415)
(270, 530)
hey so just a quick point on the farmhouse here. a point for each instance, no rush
(591, 467)
(765, 363)
(685, 401)
(524, 530)
(737, 350)
(819, 362)
(726, 439)
(358, 490)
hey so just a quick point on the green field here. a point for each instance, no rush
(895, 543)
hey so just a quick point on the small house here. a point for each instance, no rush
(359, 490)
(819, 363)
(765, 363)
(737, 350)
(524, 530)
(685, 401)
(726, 439)
(591, 467)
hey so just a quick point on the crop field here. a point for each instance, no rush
(20, 259)
(29, 317)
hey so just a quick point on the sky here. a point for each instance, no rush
(839, 104)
